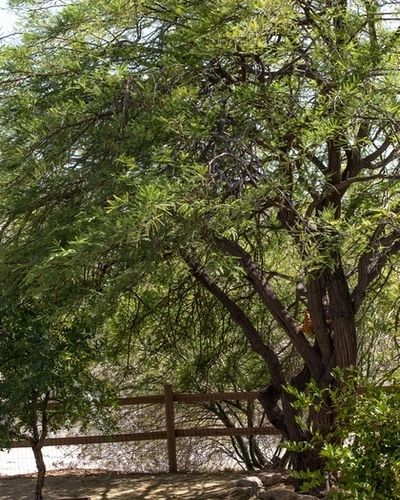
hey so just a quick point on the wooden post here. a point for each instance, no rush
(170, 424)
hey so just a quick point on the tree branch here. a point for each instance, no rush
(340, 189)
(272, 302)
(372, 262)
(367, 160)
(240, 318)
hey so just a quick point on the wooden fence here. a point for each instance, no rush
(168, 399)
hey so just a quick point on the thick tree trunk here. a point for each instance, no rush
(279, 409)
(285, 420)
(343, 319)
(41, 469)
(332, 311)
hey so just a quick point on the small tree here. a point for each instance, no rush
(46, 380)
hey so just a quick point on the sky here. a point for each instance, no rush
(7, 19)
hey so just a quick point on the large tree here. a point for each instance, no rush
(251, 147)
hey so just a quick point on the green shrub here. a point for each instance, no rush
(367, 460)
(362, 453)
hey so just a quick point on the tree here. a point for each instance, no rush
(251, 147)
(46, 379)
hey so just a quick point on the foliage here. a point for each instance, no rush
(245, 149)
(177, 334)
(369, 463)
(47, 376)
(361, 454)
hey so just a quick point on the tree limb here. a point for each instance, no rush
(367, 160)
(240, 318)
(372, 262)
(272, 302)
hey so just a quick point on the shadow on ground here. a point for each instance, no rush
(116, 486)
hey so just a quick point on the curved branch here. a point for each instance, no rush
(367, 160)
(340, 189)
(240, 318)
(272, 302)
(372, 262)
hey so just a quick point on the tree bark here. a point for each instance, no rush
(343, 318)
(41, 469)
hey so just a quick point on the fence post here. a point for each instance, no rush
(170, 424)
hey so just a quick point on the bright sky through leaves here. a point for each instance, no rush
(7, 18)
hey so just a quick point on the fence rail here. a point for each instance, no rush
(168, 399)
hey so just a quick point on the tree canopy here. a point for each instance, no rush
(242, 152)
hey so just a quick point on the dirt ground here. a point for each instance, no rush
(109, 485)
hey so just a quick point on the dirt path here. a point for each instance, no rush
(124, 487)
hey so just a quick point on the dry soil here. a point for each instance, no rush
(111, 485)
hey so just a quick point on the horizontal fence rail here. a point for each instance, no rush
(154, 435)
(168, 399)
